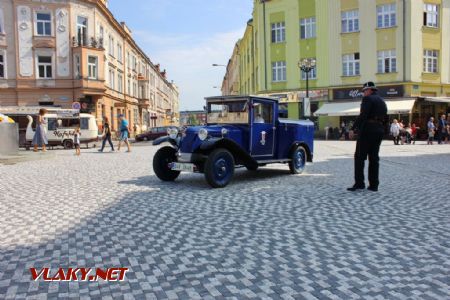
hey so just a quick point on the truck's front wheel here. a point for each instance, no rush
(219, 168)
(161, 161)
(298, 160)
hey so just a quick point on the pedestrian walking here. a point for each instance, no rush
(40, 134)
(76, 141)
(343, 126)
(442, 129)
(395, 131)
(370, 134)
(431, 131)
(447, 136)
(124, 133)
(106, 135)
(414, 129)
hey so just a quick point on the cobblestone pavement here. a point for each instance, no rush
(267, 235)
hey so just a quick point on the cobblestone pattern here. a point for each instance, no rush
(267, 235)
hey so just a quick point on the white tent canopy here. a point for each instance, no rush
(394, 107)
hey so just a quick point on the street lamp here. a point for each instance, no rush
(217, 65)
(306, 65)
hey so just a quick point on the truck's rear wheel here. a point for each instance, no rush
(161, 161)
(298, 160)
(219, 168)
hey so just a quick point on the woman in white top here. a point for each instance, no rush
(395, 131)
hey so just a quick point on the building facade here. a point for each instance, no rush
(401, 45)
(71, 53)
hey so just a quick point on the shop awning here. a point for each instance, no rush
(339, 109)
(438, 99)
(352, 108)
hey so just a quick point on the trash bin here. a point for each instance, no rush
(9, 137)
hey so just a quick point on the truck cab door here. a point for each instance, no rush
(262, 118)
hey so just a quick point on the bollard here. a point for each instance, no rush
(9, 139)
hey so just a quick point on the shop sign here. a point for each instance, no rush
(393, 91)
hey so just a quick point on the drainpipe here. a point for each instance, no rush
(253, 57)
(404, 40)
(265, 44)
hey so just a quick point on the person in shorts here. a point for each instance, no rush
(76, 141)
(124, 133)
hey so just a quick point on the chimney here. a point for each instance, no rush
(125, 27)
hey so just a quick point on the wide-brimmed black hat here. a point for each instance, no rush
(369, 85)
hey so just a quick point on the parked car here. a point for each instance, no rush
(153, 134)
(240, 131)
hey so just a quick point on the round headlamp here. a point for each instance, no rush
(172, 132)
(224, 131)
(202, 134)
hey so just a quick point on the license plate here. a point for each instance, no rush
(185, 167)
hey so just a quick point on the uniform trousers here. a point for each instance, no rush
(368, 146)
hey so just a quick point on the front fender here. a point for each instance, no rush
(240, 154)
(163, 139)
(308, 150)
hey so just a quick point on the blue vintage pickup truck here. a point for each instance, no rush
(240, 131)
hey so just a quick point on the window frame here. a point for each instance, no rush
(83, 39)
(46, 65)
(119, 52)
(112, 77)
(2, 22)
(77, 66)
(119, 82)
(111, 50)
(354, 62)
(44, 22)
(278, 32)
(387, 59)
(430, 61)
(348, 17)
(427, 13)
(279, 71)
(92, 66)
(310, 28)
(3, 64)
(386, 15)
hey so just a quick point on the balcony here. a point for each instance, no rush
(142, 77)
(90, 86)
(144, 103)
(83, 41)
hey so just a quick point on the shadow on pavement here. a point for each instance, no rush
(268, 234)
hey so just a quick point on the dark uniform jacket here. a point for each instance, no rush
(372, 115)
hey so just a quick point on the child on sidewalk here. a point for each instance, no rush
(76, 141)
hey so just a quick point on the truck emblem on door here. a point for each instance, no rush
(263, 138)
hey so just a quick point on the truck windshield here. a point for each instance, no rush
(233, 112)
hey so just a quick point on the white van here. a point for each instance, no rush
(60, 129)
(61, 124)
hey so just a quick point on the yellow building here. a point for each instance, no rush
(401, 45)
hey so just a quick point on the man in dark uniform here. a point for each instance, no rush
(369, 125)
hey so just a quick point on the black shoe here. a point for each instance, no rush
(373, 189)
(355, 188)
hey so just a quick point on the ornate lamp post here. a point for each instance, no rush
(306, 65)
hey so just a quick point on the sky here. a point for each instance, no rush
(186, 37)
